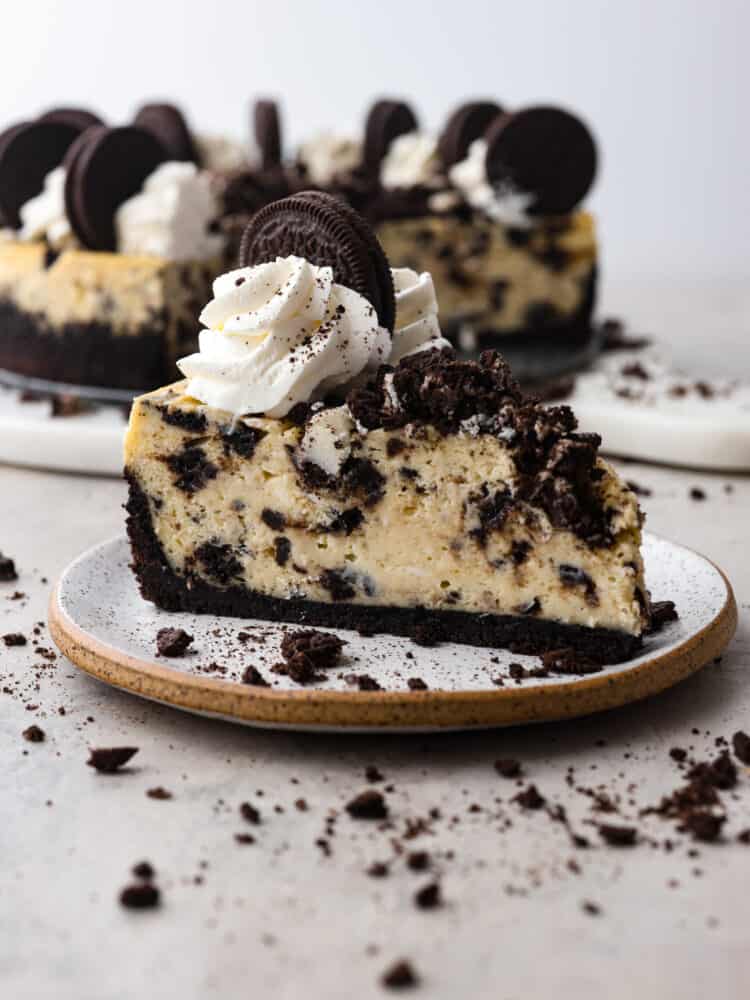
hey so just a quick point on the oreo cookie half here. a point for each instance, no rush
(168, 124)
(546, 152)
(267, 132)
(78, 118)
(468, 122)
(105, 168)
(386, 121)
(328, 233)
(27, 154)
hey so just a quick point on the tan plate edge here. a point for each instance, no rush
(393, 709)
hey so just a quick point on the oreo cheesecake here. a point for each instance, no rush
(107, 248)
(490, 207)
(329, 460)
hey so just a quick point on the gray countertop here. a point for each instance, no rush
(281, 917)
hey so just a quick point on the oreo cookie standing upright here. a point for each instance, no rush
(28, 152)
(168, 124)
(468, 122)
(105, 168)
(327, 233)
(267, 132)
(79, 118)
(543, 151)
(386, 121)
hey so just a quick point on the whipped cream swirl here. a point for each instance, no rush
(279, 334)
(417, 326)
(43, 216)
(412, 160)
(171, 216)
(326, 156)
(502, 202)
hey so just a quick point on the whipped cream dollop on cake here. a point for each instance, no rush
(171, 216)
(43, 216)
(500, 201)
(280, 333)
(326, 156)
(412, 160)
(284, 332)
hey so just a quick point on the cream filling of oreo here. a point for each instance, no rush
(43, 216)
(412, 160)
(500, 201)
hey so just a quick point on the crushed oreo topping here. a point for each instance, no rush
(253, 676)
(556, 465)
(34, 734)
(369, 804)
(7, 569)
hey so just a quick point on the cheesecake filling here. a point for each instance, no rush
(409, 518)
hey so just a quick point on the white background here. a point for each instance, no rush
(663, 83)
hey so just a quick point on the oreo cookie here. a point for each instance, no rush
(328, 233)
(468, 122)
(386, 121)
(28, 152)
(168, 124)
(106, 166)
(267, 132)
(546, 152)
(78, 118)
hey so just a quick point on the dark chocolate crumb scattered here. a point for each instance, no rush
(172, 641)
(373, 774)
(591, 909)
(367, 683)
(7, 569)
(140, 896)
(249, 813)
(144, 870)
(252, 675)
(368, 805)
(244, 838)
(678, 754)
(429, 897)
(508, 768)
(14, 639)
(416, 684)
(741, 746)
(400, 976)
(378, 869)
(618, 836)
(34, 734)
(696, 493)
(107, 760)
(530, 798)
(703, 825)
(159, 793)
(418, 861)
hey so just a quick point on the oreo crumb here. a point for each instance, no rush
(662, 612)
(368, 805)
(34, 734)
(249, 813)
(416, 684)
(400, 976)
(378, 869)
(696, 493)
(508, 768)
(253, 676)
(530, 798)
(373, 775)
(107, 760)
(140, 896)
(7, 569)
(591, 909)
(741, 746)
(618, 836)
(418, 861)
(14, 639)
(159, 793)
(429, 897)
(678, 754)
(244, 838)
(144, 870)
(172, 641)
(366, 683)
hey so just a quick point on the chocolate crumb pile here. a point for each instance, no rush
(307, 652)
(172, 641)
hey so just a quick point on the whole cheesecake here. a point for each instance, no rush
(330, 461)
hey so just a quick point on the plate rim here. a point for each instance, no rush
(404, 710)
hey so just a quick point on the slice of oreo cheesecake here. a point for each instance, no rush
(106, 251)
(328, 460)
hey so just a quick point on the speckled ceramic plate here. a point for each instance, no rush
(101, 623)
